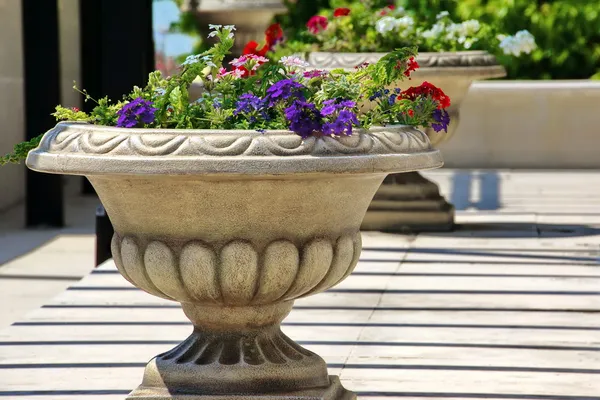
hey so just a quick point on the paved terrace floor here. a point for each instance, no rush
(506, 307)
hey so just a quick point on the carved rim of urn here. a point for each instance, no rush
(476, 64)
(84, 149)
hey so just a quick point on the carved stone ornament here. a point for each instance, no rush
(234, 225)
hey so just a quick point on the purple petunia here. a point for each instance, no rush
(304, 118)
(442, 120)
(135, 112)
(248, 103)
(252, 106)
(342, 125)
(340, 117)
(284, 90)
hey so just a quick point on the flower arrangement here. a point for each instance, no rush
(258, 94)
(361, 27)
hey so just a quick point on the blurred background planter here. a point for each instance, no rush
(251, 17)
(410, 202)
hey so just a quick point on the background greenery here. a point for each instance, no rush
(567, 32)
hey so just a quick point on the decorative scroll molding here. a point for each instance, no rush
(330, 60)
(74, 138)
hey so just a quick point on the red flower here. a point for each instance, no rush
(412, 65)
(75, 109)
(252, 48)
(427, 90)
(317, 24)
(411, 113)
(387, 9)
(341, 12)
(273, 35)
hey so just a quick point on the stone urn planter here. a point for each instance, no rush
(234, 225)
(410, 202)
(250, 17)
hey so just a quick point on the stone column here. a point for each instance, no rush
(12, 177)
(251, 17)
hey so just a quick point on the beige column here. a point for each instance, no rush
(70, 54)
(12, 177)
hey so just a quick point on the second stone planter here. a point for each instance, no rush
(410, 202)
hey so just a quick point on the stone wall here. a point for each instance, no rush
(528, 124)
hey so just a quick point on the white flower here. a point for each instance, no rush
(526, 41)
(229, 27)
(469, 28)
(214, 27)
(385, 25)
(193, 59)
(522, 43)
(159, 91)
(405, 22)
(293, 61)
(442, 14)
(213, 34)
(436, 30)
(388, 24)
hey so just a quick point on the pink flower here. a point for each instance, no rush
(317, 24)
(294, 61)
(253, 59)
(315, 73)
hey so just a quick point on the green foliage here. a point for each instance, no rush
(567, 33)
(261, 94)
(20, 151)
(371, 26)
(298, 13)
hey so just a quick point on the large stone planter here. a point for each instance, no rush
(250, 17)
(234, 225)
(410, 202)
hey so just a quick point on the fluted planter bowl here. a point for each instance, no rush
(234, 225)
(452, 71)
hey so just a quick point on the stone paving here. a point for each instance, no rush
(506, 307)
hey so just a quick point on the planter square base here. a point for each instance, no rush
(437, 217)
(335, 391)
(408, 203)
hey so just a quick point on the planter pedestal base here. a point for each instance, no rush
(335, 391)
(409, 203)
(238, 353)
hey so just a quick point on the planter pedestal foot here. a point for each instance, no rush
(334, 391)
(409, 203)
(238, 353)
